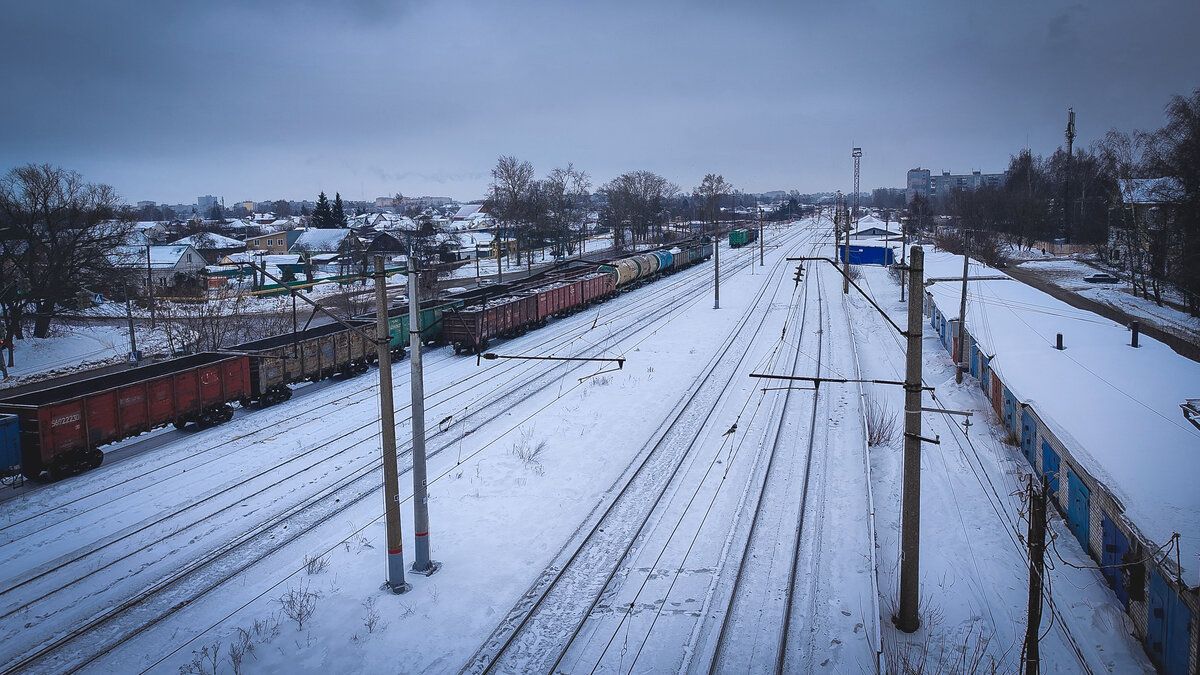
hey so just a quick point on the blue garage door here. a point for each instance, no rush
(1028, 434)
(1050, 467)
(1079, 508)
(1167, 628)
(1114, 549)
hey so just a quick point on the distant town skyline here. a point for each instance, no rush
(282, 100)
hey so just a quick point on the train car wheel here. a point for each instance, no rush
(179, 423)
(94, 458)
(60, 467)
(224, 413)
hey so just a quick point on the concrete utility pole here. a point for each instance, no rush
(421, 564)
(959, 347)
(760, 238)
(1037, 549)
(387, 415)
(903, 253)
(150, 284)
(907, 619)
(846, 253)
(716, 267)
(499, 272)
(133, 351)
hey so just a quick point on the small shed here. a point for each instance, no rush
(868, 255)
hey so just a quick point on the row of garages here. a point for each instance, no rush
(1090, 492)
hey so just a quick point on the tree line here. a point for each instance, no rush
(1133, 197)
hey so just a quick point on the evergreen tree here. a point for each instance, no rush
(339, 212)
(322, 215)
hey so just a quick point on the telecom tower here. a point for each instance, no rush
(857, 154)
(1067, 178)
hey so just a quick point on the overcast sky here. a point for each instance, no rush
(271, 99)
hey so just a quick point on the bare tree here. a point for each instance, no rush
(1174, 153)
(636, 201)
(708, 194)
(566, 194)
(58, 234)
(512, 180)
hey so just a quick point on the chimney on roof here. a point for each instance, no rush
(1134, 326)
(1059, 344)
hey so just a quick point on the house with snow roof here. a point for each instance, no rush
(273, 243)
(169, 265)
(870, 227)
(211, 245)
(333, 240)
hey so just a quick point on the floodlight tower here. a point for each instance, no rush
(857, 154)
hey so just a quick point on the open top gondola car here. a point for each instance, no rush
(62, 428)
(311, 354)
(432, 323)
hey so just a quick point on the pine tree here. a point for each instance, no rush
(339, 212)
(322, 215)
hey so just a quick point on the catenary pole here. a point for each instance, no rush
(846, 252)
(903, 253)
(150, 284)
(387, 414)
(962, 311)
(1037, 548)
(907, 619)
(133, 350)
(716, 265)
(421, 562)
(760, 237)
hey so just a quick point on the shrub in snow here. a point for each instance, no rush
(298, 604)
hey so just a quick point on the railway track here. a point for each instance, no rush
(221, 450)
(208, 570)
(535, 635)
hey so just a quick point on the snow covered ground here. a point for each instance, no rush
(1068, 273)
(243, 529)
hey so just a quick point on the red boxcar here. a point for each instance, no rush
(62, 426)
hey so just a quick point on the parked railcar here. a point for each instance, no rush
(471, 329)
(62, 427)
(10, 445)
(432, 324)
(311, 354)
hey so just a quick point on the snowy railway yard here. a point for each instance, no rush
(676, 515)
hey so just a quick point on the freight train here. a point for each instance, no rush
(56, 431)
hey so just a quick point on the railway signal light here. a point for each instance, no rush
(799, 274)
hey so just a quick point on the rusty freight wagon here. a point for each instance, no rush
(62, 427)
(471, 329)
(311, 354)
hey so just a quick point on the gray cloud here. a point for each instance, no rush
(282, 99)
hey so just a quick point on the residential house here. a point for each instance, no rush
(211, 245)
(274, 243)
(170, 265)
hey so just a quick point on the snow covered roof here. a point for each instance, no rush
(327, 240)
(209, 240)
(1115, 407)
(468, 210)
(1150, 190)
(242, 257)
(166, 256)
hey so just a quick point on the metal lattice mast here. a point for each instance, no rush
(857, 154)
